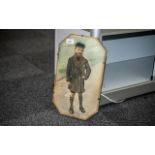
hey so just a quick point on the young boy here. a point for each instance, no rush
(78, 70)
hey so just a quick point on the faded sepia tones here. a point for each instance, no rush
(95, 54)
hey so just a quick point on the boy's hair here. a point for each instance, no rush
(79, 44)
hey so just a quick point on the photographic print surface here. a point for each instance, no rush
(79, 76)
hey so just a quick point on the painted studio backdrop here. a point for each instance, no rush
(79, 76)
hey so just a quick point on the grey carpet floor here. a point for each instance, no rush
(26, 78)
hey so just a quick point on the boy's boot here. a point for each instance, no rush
(80, 102)
(71, 109)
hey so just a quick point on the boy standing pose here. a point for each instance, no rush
(78, 70)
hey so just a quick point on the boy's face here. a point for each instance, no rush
(79, 52)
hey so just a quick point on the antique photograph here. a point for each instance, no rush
(79, 76)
